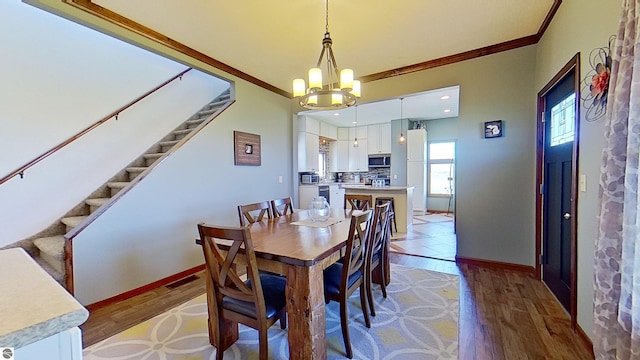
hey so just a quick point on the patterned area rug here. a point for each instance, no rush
(418, 320)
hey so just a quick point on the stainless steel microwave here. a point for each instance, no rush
(309, 179)
(379, 161)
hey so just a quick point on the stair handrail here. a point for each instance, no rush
(20, 171)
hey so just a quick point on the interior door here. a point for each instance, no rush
(558, 184)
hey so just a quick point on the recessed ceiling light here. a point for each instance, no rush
(445, 97)
(354, 122)
(336, 114)
(447, 110)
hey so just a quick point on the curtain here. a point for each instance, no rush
(617, 268)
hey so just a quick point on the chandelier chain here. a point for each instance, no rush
(326, 18)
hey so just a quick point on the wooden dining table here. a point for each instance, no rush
(301, 253)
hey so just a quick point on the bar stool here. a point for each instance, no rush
(392, 211)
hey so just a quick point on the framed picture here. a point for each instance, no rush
(493, 129)
(246, 149)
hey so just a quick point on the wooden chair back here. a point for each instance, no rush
(280, 207)
(379, 236)
(359, 202)
(229, 298)
(357, 243)
(245, 212)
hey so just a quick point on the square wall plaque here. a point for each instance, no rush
(246, 149)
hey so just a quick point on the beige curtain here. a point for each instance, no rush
(617, 268)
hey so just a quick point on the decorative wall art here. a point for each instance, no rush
(493, 129)
(246, 149)
(595, 85)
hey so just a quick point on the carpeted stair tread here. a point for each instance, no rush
(55, 274)
(73, 221)
(118, 184)
(153, 156)
(52, 246)
(168, 143)
(133, 169)
(97, 201)
(194, 122)
(182, 131)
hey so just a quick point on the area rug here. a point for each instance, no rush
(418, 320)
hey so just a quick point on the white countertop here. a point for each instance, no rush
(372, 188)
(33, 305)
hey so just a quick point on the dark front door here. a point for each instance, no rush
(559, 135)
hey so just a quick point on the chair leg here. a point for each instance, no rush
(283, 320)
(363, 304)
(218, 343)
(262, 343)
(345, 328)
(368, 286)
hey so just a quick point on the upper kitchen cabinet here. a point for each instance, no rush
(343, 133)
(309, 125)
(308, 149)
(328, 131)
(339, 156)
(379, 139)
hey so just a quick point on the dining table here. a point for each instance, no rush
(299, 248)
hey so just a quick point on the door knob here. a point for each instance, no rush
(566, 216)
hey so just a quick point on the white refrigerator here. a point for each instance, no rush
(417, 167)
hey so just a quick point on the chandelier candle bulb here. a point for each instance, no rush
(336, 99)
(313, 100)
(356, 88)
(299, 87)
(315, 78)
(346, 79)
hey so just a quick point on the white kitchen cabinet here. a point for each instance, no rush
(379, 139)
(309, 125)
(339, 156)
(343, 133)
(308, 149)
(65, 345)
(306, 193)
(336, 197)
(328, 131)
(360, 131)
(358, 156)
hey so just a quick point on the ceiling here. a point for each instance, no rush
(275, 41)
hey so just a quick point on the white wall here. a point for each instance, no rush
(495, 177)
(59, 79)
(149, 234)
(567, 35)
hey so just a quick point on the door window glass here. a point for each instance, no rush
(562, 121)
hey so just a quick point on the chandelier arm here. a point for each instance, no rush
(332, 60)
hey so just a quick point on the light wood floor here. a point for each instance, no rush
(503, 314)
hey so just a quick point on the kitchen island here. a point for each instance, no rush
(40, 318)
(402, 199)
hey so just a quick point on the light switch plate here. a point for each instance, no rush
(583, 182)
(280, 179)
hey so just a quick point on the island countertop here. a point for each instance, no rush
(33, 305)
(373, 188)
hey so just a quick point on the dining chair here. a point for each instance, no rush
(342, 279)
(280, 207)
(245, 211)
(257, 302)
(359, 202)
(379, 235)
(392, 211)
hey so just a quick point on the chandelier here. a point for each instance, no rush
(323, 97)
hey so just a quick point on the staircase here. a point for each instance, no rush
(48, 247)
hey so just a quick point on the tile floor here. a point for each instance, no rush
(431, 235)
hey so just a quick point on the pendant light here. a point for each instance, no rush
(401, 138)
(341, 90)
(355, 139)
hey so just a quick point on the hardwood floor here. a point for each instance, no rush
(503, 314)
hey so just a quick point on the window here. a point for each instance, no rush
(441, 168)
(562, 121)
(322, 164)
